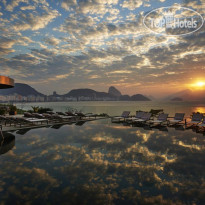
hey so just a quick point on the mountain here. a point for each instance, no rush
(21, 89)
(113, 94)
(87, 93)
(124, 98)
(113, 91)
(176, 99)
(188, 95)
(139, 97)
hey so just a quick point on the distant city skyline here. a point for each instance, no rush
(70, 44)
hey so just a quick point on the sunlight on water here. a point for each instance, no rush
(117, 107)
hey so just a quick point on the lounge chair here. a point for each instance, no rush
(47, 116)
(33, 120)
(37, 115)
(56, 117)
(87, 115)
(70, 114)
(61, 113)
(51, 112)
(155, 112)
(196, 118)
(52, 117)
(179, 117)
(28, 114)
(145, 117)
(124, 115)
(25, 121)
(160, 119)
(138, 115)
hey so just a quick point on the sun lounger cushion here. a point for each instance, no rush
(162, 117)
(125, 114)
(179, 116)
(35, 120)
(145, 117)
(197, 117)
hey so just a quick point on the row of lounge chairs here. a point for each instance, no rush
(143, 117)
(34, 118)
(20, 121)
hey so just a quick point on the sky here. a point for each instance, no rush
(59, 45)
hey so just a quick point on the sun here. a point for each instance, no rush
(200, 84)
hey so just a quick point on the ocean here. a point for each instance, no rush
(117, 107)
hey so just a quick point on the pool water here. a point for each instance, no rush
(101, 162)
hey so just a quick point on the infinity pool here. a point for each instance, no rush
(103, 163)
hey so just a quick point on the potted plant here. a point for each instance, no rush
(35, 109)
(12, 110)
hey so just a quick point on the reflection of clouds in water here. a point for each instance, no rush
(105, 165)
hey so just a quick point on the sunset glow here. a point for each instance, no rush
(197, 85)
(200, 84)
(69, 44)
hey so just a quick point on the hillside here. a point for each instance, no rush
(113, 93)
(85, 92)
(188, 95)
(21, 89)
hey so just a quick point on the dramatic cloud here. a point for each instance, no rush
(13, 4)
(95, 44)
(66, 4)
(6, 45)
(52, 41)
(132, 4)
(34, 22)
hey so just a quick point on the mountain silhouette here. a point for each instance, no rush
(114, 94)
(21, 89)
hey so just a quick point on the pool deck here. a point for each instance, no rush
(14, 128)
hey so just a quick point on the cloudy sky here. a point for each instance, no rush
(64, 44)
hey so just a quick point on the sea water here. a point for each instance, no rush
(117, 107)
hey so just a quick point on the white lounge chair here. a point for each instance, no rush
(62, 117)
(196, 119)
(33, 120)
(160, 119)
(179, 117)
(24, 121)
(138, 115)
(124, 115)
(145, 117)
